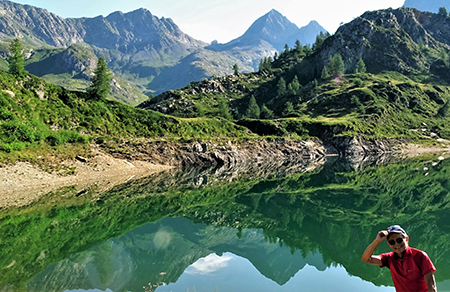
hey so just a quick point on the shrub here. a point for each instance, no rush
(17, 131)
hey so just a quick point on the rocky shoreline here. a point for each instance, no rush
(213, 154)
(23, 183)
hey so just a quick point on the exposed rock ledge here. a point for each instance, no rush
(210, 154)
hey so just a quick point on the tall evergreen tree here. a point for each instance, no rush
(298, 46)
(325, 73)
(336, 66)
(443, 11)
(266, 113)
(253, 110)
(100, 86)
(289, 109)
(265, 64)
(236, 69)
(224, 110)
(16, 60)
(281, 87)
(294, 86)
(361, 66)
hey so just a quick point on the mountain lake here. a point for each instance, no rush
(274, 226)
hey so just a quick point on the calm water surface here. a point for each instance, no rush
(272, 227)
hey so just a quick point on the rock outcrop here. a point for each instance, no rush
(239, 155)
(386, 40)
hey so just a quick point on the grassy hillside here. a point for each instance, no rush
(386, 105)
(35, 114)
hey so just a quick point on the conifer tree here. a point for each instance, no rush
(265, 64)
(253, 109)
(236, 69)
(224, 110)
(16, 60)
(281, 87)
(325, 73)
(100, 86)
(443, 11)
(289, 109)
(266, 113)
(335, 66)
(294, 86)
(298, 46)
(361, 66)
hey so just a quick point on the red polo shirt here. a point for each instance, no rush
(408, 272)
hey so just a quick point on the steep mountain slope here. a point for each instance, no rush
(36, 26)
(429, 5)
(138, 46)
(403, 40)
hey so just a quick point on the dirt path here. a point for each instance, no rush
(23, 183)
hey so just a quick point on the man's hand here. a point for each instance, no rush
(382, 235)
(368, 256)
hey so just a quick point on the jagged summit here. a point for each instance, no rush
(275, 29)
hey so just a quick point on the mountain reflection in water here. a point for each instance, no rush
(274, 227)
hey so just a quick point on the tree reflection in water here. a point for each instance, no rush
(280, 216)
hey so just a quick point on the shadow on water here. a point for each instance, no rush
(279, 215)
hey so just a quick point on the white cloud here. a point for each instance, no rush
(209, 264)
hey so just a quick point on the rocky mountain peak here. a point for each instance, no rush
(43, 26)
(271, 27)
(387, 40)
(274, 29)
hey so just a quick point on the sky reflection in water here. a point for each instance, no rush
(233, 273)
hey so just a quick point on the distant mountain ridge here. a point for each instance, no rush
(138, 46)
(276, 30)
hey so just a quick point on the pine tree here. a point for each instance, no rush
(236, 69)
(266, 113)
(265, 64)
(289, 109)
(281, 87)
(100, 86)
(298, 46)
(16, 60)
(325, 73)
(253, 110)
(443, 11)
(335, 66)
(361, 67)
(224, 110)
(294, 86)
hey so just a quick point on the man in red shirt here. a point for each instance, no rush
(411, 269)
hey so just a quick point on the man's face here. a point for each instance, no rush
(397, 242)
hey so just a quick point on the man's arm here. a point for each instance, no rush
(368, 256)
(431, 283)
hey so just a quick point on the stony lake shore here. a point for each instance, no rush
(23, 183)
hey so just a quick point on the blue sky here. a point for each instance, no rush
(221, 20)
